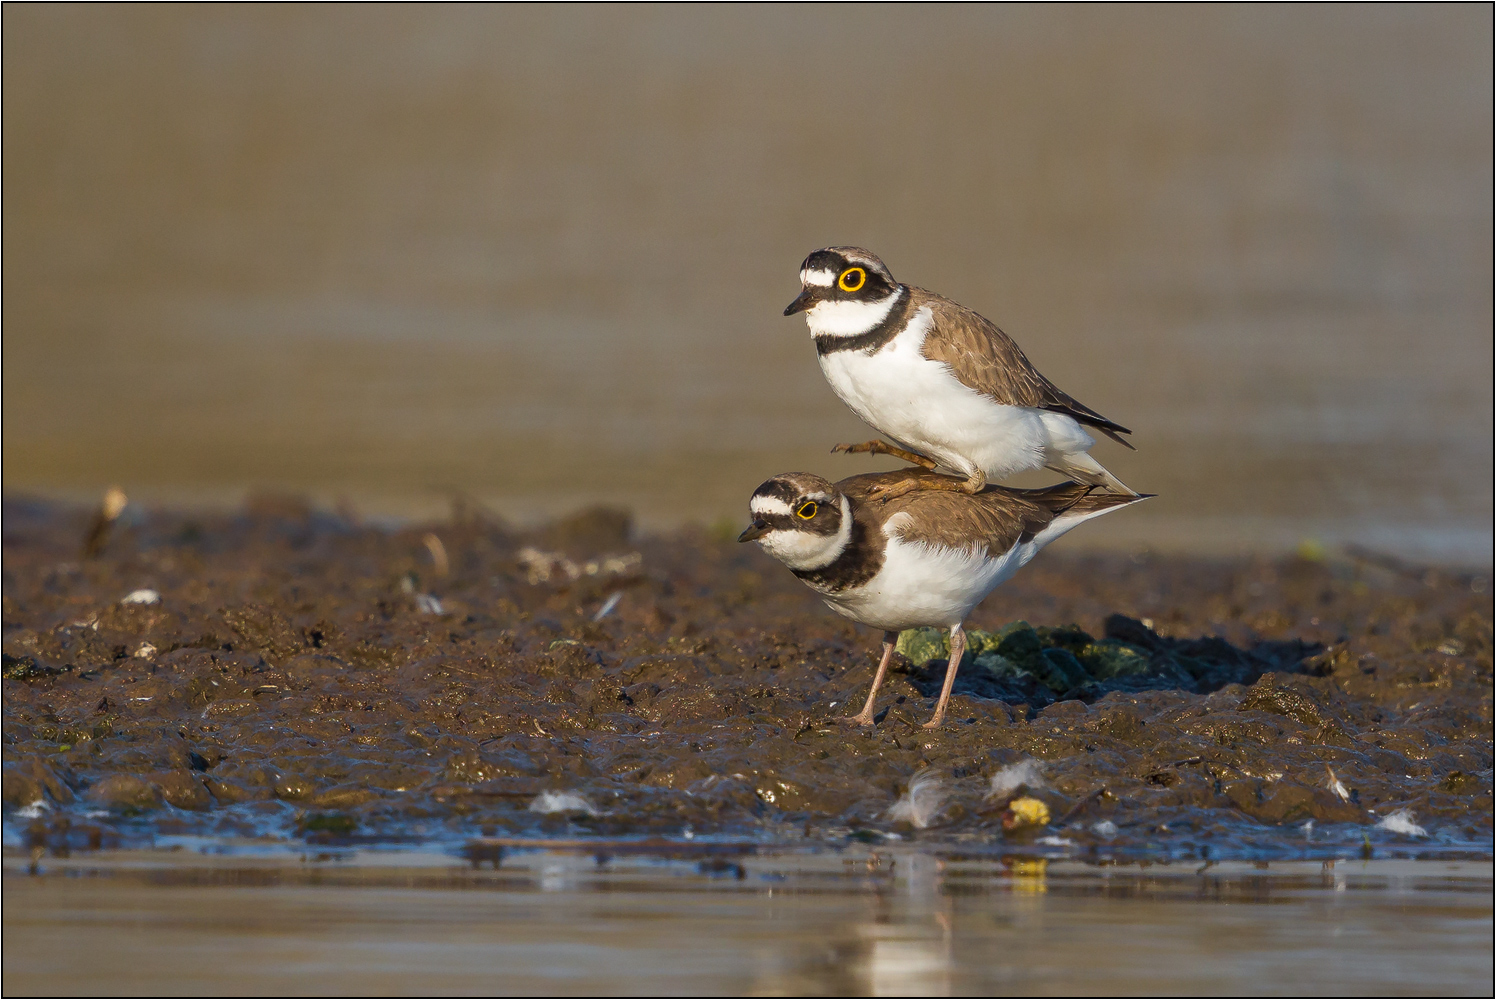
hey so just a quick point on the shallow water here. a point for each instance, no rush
(540, 255)
(894, 922)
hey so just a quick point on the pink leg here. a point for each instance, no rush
(958, 649)
(865, 717)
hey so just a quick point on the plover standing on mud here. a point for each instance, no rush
(947, 386)
(925, 558)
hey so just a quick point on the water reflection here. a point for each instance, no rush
(559, 872)
(903, 923)
(909, 940)
(904, 962)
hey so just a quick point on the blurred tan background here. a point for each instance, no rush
(539, 255)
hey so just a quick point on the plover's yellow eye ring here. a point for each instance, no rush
(852, 279)
(807, 510)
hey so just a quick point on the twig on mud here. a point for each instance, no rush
(110, 508)
(901, 717)
(540, 566)
(1391, 564)
(1080, 806)
(438, 553)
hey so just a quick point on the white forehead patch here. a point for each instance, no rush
(768, 505)
(819, 278)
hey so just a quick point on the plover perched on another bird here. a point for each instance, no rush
(925, 558)
(947, 386)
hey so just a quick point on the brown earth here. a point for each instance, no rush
(304, 675)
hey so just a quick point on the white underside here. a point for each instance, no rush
(922, 406)
(921, 585)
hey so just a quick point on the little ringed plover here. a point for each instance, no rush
(947, 386)
(924, 558)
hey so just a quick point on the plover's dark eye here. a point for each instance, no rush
(852, 279)
(807, 510)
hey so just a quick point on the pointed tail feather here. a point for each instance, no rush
(1083, 414)
(1085, 469)
(1093, 504)
(1115, 436)
(1057, 498)
(1080, 499)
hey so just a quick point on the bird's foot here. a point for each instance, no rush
(853, 449)
(946, 484)
(889, 491)
(884, 448)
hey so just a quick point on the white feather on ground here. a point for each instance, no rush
(1334, 784)
(561, 802)
(34, 810)
(1401, 821)
(922, 803)
(1024, 772)
(608, 606)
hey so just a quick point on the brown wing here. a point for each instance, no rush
(998, 517)
(984, 358)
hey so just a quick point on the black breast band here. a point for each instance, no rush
(872, 341)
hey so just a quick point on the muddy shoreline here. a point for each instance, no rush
(287, 672)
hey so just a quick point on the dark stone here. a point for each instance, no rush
(1131, 631)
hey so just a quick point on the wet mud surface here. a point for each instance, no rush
(287, 673)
